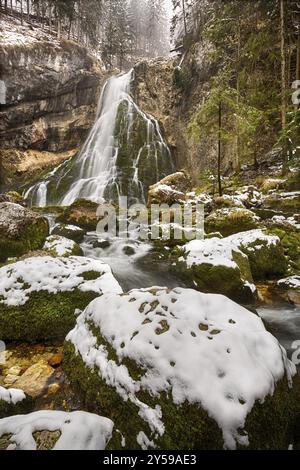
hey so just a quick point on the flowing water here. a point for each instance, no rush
(124, 153)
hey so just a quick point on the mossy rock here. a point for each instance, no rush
(82, 213)
(11, 409)
(14, 197)
(45, 295)
(69, 231)
(186, 425)
(233, 279)
(230, 221)
(286, 202)
(290, 242)
(21, 231)
(265, 253)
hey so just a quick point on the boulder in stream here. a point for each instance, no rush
(216, 266)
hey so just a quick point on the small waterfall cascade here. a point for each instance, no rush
(123, 155)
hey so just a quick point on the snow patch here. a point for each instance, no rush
(79, 430)
(53, 275)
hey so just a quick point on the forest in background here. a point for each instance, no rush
(253, 102)
(120, 31)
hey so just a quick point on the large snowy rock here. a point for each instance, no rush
(265, 252)
(178, 369)
(21, 230)
(40, 296)
(216, 265)
(57, 430)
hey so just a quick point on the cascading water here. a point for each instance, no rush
(123, 155)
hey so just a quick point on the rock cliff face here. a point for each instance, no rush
(171, 90)
(48, 92)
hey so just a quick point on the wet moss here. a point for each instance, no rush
(231, 221)
(219, 279)
(44, 317)
(31, 238)
(266, 262)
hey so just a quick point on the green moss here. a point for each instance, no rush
(230, 222)
(187, 426)
(266, 262)
(9, 409)
(31, 238)
(82, 213)
(219, 279)
(45, 316)
(290, 241)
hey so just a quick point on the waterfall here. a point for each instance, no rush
(123, 155)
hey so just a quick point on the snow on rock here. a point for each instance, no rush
(198, 348)
(252, 240)
(61, 246)
(292, 282)
(12, 395)
(215, 251)
(78, 430)
(44, 273)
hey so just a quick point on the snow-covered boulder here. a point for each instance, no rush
(61, 246)
(21, 230)
(215, 265)
(40, 296)
(56, 430)
(179, 369)
(231, 220)
(69, 231)
(265, 252)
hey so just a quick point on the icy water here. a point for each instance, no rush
(134, 264)
(283, 322)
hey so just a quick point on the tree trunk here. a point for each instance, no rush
(21, 12)
(298, 56)
(220, 150)
(28, 10)
(50, 20)
(184, 17)
(59, 28)
(237, 142)
(283, 83)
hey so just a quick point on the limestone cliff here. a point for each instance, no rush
(48, 92)
(171, 90)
